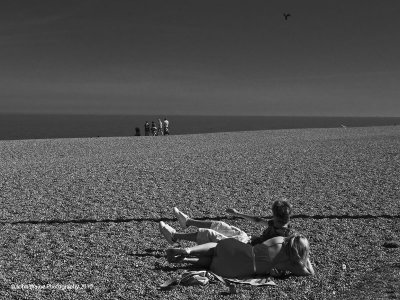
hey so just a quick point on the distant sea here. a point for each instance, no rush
(25, 126)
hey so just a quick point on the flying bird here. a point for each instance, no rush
(286, 16)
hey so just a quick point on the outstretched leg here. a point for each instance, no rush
(185, 221)
(201, 237)
(198, 223)
(198, 250)
(190, 236)
(202, 250)
(199, 255)
(172, 236)
(208, 231)
(203, 261)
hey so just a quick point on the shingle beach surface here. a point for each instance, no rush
(86, 210)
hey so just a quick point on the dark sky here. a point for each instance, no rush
(219, 57)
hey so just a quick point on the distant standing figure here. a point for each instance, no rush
(146, 128)
(153, 129)
(166, 126)
(160, 128)
(137, 131)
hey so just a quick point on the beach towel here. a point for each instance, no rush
(204, 277)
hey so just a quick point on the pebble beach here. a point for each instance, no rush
(85, 211)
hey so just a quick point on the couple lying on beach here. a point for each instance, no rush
(229, 252)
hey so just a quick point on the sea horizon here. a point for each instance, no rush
(16, 126)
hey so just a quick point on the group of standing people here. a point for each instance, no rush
(154, 130)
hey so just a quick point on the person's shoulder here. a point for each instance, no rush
(274, 241)
(278, 239)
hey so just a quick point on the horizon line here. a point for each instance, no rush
(192, 115)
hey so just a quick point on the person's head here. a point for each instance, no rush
(297, 248)
(281, 211)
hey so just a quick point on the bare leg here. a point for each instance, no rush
(202, 250)
(202, 254)
(202, 236)
(203, 261)
(198, 251)
(185, 221)
(198, 224)
(191, 236)
(172, 236)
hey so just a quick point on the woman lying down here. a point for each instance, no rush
(232, 259)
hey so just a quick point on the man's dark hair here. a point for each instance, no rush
(282, 210)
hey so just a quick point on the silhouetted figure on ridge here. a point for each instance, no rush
(160, 128)
(137, 131)
(146, 129)
(153, 129)
(166, 126)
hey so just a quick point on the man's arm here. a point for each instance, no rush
(254, 219)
